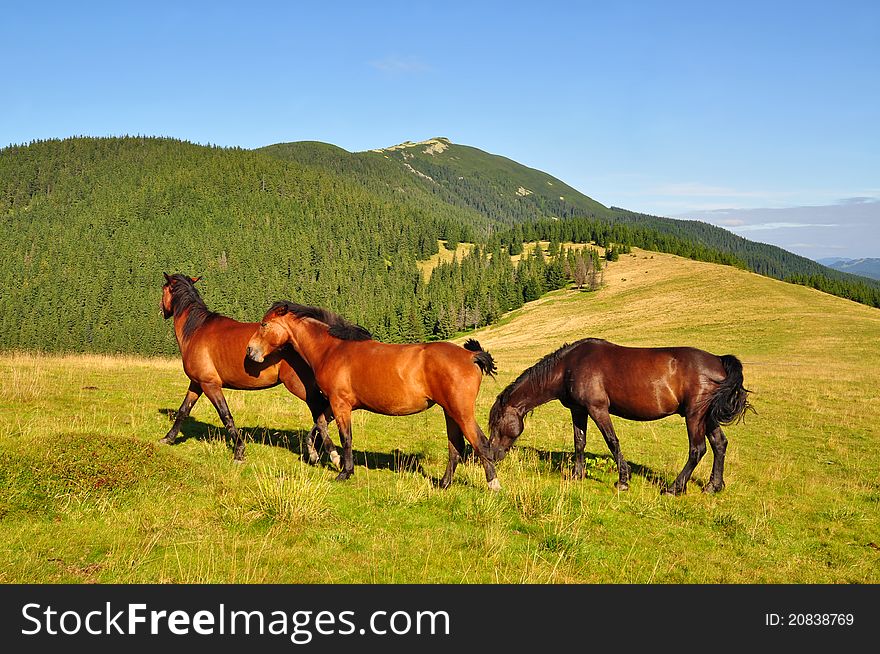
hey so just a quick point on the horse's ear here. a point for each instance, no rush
(280, 311)
(195, 279)
(167, 278)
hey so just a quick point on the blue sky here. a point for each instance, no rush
(664, 107)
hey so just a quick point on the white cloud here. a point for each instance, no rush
(858, 200)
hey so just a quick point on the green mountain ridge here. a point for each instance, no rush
(87, 226)
(493, 186)
(507, 193)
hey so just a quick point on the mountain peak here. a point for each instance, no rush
(432, 146)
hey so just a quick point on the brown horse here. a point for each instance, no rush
(596, 378)
(213, 349)
(356, 372)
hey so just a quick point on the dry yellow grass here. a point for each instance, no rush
(443, 256)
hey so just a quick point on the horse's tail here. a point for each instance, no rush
(730, 401)
(482, 358)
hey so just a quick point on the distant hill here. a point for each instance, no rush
(830, 261)
(500, 194)
(87, 226)
(868, 267)
(495, 187)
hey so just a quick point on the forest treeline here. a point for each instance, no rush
(88, 225)
(527, 204)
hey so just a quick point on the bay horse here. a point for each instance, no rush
(213, 348)
(357, 372)
(595, 378)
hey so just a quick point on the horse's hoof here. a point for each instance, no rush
(336, 460)
(621, 486)
(166, 441)
(671, 492)
(445, 483)
(712, 488)
(239, 459)
(579, 474)
(495, 485)
(344, 475)
(313, 458)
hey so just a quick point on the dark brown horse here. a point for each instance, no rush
(213, 349)
(356, 372)
(598, 379)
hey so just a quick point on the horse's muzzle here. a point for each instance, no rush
(254, 355)
(497, 453)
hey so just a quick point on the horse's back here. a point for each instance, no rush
(641, 383)
(402, 378)
(611, 356)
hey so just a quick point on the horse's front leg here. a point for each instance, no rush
(602, 419)
(192, 395)
(342, 414)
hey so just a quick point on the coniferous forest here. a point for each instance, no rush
(88, 225)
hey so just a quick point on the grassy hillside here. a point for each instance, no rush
(86, 494)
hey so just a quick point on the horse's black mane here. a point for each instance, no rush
(540, 373)
(339, 326)
(185, 296)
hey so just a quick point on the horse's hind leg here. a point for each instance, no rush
(697, 439)
(718, 441)
(192, 394)
(320, 427)
(456, 449)
(579, 424)
(603, 421)
(215, 394)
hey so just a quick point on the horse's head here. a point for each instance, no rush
(171, 282)
(505, 426)
(270, 335)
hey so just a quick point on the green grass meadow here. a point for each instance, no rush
(88, 495)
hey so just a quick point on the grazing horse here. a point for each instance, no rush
(595, 378)
(213, 349)
(356, 372)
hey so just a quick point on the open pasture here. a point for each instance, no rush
(88, 495)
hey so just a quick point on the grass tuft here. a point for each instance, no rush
(292, 498)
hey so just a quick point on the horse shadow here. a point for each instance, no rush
(295, 441)
(562, 460)
(397, 460)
